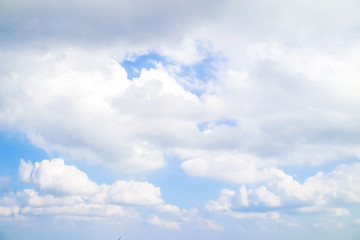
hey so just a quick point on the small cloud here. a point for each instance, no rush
(168, 208)
(357, 221)
(8, 211)
(25, 170)
(55, 176)
(339, 211)
(166, 224)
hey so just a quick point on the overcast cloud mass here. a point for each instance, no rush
(179, 119)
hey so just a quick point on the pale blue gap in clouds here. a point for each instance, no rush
(193, 77)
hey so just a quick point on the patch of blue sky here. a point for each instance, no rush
(203, 70)
(194, 77)
(203, 126)
(199, 74)
(134, 64)
(13, 147)
(177, 188)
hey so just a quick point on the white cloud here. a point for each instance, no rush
(82, 106)
(339, 185)
(321, 209)
(194, 218)
(25, 170)
(56, 176)
(34, 199)
(9, 211)
(208, 224)
(243, 198)
(187, 217)
(168, 208)
(223, 203)
(265, 196)
(323, 193)
(82, 199)
(231, 166)
(285, 91)
(30, 202)
(129, 192)
(226, 204)
(357, 221)
(163, 223)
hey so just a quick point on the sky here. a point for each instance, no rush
(230, 119)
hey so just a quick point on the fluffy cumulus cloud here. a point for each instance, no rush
(226, 204)
(130, 192)
(65, 190)
(55, 176)
(318, 194)
(71, 110)
(86, 200)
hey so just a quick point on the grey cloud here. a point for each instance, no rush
(91, 23)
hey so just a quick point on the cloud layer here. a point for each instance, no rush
(239, 92)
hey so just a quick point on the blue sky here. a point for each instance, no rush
(179, 119)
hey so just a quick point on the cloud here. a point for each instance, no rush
(321, 193)
(130, 192)
(319, 209)
(226, 205)
(337, 186)
(109, 23)
(286, 108)
(265, 196)
(25, 170)
(193, 217)
(82, 106)
(168, 208)
(32, 198)
(166, 224)
(223, 203)
(8, 211)
(83, 199)
(283, 94)
(187, 217)
(231, 166)
(280, 188)
(55, 176)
